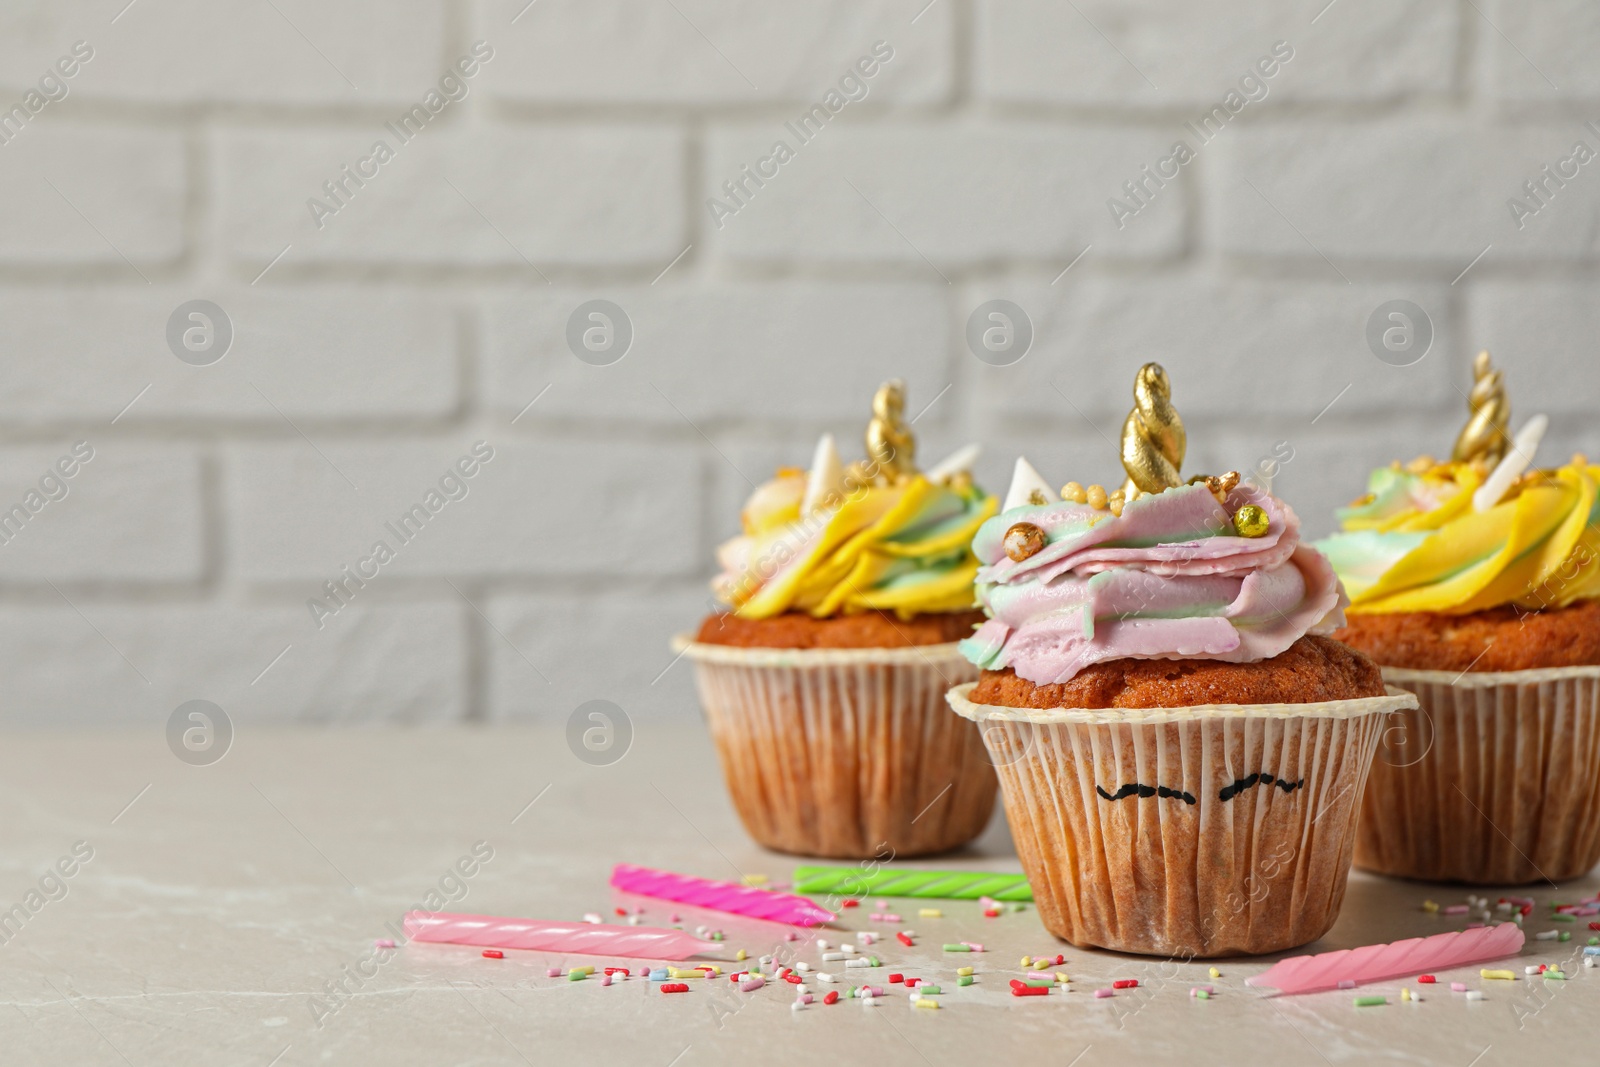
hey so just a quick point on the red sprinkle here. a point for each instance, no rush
(894, 978)
(1125, 983)
(1017, 983)
(1594, 926)
(831, 998)
(620, 970)
(1427, 979)
(1527, 909)
(993, 913)
(675, 987)
(1028, 991)
(911, 983)
(792, 979)
(493, 954)
(621, 911)
(845, 904)
(903, 938)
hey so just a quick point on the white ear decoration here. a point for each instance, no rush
(1025, 481)
(826, 479)
(1518, 458)
(960, 460)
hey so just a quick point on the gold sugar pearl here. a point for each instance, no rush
(1037, 498)
(1023, 540)
(1073, 493)
(1096, 497)
(1116, 501)
(1251, 521)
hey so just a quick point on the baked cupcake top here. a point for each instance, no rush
(1478, 532)
(876, 535)
(1209, 569)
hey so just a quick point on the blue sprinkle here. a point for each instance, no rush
(1591, 950)
(658, 975)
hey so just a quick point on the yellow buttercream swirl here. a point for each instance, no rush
(1416, 542)
(903, 547)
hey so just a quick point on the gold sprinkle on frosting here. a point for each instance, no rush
(1251, 521)
(1023, 540)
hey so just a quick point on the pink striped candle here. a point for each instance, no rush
(721, 896)
(1398, 959)
(491, 931)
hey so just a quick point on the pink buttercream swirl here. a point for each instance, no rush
(1168, 579)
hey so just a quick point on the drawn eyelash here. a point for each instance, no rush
(1263, 778)
(1227, 793)
(1134, 788)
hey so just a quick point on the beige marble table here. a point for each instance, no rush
(221, 902)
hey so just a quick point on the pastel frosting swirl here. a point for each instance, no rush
(901, 547)
(1167, 579)
(1416, 542)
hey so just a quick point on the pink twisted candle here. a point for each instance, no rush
(1397, 959)
(491, 931)
(722, 896)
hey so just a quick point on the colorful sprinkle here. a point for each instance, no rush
(1125, 983)
(1427, 979)
(1215, 973)
(904, 938)
(384, 942)
(958, 948)
(1370, 1002)
(493, 954)
(1100, 994)
(675, 987)
(1474, 994)
(896, 979)
(924, 1002)
(964, 980)
(1458, 987)
(1505, 976)
(963, 971)
(831, 998)
(929, 913)
(1028, 991)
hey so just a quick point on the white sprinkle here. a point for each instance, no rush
(822, 946)
(847, 948)
(824, 976)
(829, 957)
(862, 961)
(802, 965)
(1474, 994)
(1589, 961)
(868, 1001)
(1530, 970)
(1547, 935)
(591, 917)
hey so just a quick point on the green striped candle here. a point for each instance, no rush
(930, 885)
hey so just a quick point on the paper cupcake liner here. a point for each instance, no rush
(1494, 779)
(1185, 832)
(846, 753)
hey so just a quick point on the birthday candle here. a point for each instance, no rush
(932, 885)
(1374, 963)
(722, 896)
(496, 932)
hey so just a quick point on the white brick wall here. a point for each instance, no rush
(431, 308)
